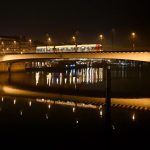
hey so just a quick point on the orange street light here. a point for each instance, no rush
(133, 36)
(49, 40)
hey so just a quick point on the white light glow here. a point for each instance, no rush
(30, 103)
(133, 117)
(46, 116)
(14, 101)
(73, 109)
(49, 106)
(37, 77)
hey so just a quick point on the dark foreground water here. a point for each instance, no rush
(28, 119)
(35, 123)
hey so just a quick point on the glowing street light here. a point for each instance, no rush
(133, 36)
(15, 43)
(30, 43)
(74, 39)
(2, 44)
(49, 40)
(101, 37)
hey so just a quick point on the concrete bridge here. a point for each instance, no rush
(16, 62)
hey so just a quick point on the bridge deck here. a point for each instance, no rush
(126, 55)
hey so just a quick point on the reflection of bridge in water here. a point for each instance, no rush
(133, 103)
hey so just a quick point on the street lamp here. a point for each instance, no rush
(74, 39)
(15, 45)
(2, 43)
(101, 37)
(30, 43)
(133, 35)
(49, 40)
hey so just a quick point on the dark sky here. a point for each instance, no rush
(62, 18)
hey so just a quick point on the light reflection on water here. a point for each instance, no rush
(89, 118)
(85, 75)
(75, 121)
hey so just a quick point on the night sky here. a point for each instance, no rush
(61, 19)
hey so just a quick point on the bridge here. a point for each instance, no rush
(16, 62)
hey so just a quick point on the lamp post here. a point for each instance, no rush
(101, 37)
(74, 39)
(133, 35)
(30, 43)
(15, 43)
(49, 40)
(2, 43)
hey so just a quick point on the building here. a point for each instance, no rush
(15, 44)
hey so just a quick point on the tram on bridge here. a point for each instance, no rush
(69, 48)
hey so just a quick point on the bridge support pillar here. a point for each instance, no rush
(9, 67)
(18, 66)
(12, 67)
(4, 67)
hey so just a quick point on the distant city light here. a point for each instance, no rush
(77, 121)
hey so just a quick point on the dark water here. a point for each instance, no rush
(33, 121)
